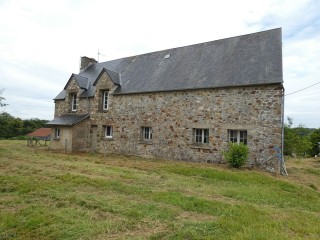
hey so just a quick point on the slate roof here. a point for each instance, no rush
(68, 120)
(252, 59)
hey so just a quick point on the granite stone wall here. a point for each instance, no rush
(173, 116)
(64, 106)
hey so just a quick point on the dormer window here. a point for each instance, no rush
(73, 102)
(105, 98)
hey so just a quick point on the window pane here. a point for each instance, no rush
(74, 102)
(105, 100)
(243, 137)
(206, 136)
(201, 135)
(57, 133)
(147, 133)
(233, 136)
(198, 135)
(238, 136)
(109, 131)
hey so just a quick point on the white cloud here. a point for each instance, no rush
(41, 41)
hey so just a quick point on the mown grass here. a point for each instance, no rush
(46, 195)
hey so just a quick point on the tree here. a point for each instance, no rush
(10, 126)
(296, 140)
(2, 104)
(289, 138)
(314, 139)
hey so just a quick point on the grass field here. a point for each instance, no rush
(46, 195)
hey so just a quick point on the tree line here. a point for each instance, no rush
(300, 141)
(12, 127)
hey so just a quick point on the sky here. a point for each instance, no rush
(41, 42)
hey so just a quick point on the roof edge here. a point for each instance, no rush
(203, 88)
(76, 121)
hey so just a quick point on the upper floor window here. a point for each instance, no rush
(238, 136)
(108, 132)
(73, 102)
(147, 133)
(201, 135)
(105, 98)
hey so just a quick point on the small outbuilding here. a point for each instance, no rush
(39, 134)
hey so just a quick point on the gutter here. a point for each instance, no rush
(283, 169)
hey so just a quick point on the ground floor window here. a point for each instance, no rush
(146, 133)
(238, 136)
(108, 132)
(57, 133)
(201, 135)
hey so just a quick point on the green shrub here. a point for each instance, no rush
(236, 155)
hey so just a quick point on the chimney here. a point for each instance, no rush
(85, 61)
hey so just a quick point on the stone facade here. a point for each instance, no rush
(173, 117)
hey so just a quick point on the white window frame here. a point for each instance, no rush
(105, 100)
(108, 133)
(147, 133)
(238, 136)
(73, 102)
(201, 135)
(57, 133)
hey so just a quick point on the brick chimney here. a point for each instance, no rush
(85, 61)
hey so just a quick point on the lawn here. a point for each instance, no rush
(48, 195)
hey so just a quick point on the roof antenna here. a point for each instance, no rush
(100, 54)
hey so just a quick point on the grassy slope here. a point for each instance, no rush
(45, 195)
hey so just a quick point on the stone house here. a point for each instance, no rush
(183, 103)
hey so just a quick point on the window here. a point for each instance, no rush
(147, 133)
(108, 132)
(105, 96)
(201, 135)
(238, 136)
(73, 102)
(57, 133)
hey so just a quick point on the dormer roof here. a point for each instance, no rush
(114, 76)
(83, 82)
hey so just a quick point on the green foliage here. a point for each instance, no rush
(314, 139)
(296, 140)
(236, 155)
(32, 124)
(11, 127)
